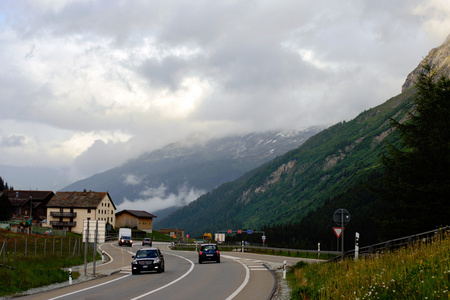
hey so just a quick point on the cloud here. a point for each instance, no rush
(12, 141)
(88, 85)
(154, 199)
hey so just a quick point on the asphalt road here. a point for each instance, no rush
(238, 276)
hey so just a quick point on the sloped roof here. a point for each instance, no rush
(137, 213)
(26, 194)
(78, 199)
(18, 202)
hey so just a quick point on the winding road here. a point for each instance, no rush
(238, 276)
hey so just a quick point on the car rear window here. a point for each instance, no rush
(209, 248)
(147, 254)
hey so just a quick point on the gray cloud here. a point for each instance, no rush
(83, 78)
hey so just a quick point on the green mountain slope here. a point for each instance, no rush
(301, 189)
(286, 189)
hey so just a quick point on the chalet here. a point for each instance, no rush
(135, 219)
(68, 210)
(24, 201)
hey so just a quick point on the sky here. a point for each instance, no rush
(87, 85)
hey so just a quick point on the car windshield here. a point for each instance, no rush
(147, 254)
(126, 238)
(209, 248)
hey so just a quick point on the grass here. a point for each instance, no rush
(420, 271)
(41, 264)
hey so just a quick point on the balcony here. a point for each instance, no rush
(58, 214)
(63, 224)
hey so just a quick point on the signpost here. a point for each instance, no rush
(356, 245)
(337, 231)
(341, 217)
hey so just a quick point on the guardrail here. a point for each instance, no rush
(397, 243)
(265, 250)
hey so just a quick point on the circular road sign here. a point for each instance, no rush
(341, 216)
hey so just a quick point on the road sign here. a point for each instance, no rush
(263, 237)
(239, 231)
(341, 216)
(249, 231)
(229, 230)
(337, 231)
(187, 236)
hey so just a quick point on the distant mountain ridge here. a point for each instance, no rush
(180, 172)
(332, 165)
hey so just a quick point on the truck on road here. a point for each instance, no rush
(125, 237)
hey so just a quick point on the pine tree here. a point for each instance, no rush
(417, 181)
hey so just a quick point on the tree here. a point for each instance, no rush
(6, 209)
(417, 179)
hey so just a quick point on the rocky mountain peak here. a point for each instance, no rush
(439, 58)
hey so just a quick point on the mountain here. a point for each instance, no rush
(327, 172)
(438, 58)
(165, 179)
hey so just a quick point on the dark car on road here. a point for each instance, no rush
(208, 252)
(147, 241)
(126, 240)
(147, 259)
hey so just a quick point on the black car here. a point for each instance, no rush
(147, 241)
(147, 259)
(208, 252)
(126, 240)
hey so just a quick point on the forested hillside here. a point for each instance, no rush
(287, 189)
(293, 197)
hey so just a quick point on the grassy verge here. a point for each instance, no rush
(29, 261)
(157, 236)
(421, 271)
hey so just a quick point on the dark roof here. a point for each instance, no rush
(78, 199)
(18, 202)
(26, 194)
(137, 213)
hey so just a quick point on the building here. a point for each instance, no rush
(139, 219)
(25, 203)
(67, 210)
(173, 232)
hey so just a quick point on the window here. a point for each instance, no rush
(89, 210)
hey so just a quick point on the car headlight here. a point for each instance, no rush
(157, 260)
(134, 262)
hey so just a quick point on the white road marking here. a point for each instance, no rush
(91, 287)
(246, 280)
(170, 283)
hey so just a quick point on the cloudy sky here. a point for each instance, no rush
(86, 85)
